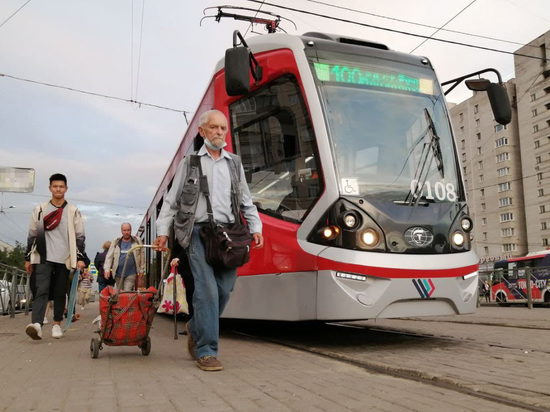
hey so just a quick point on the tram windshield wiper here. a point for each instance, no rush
(430, 151)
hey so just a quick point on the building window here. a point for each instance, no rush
(537, 144)
(464, 169)
(480, 164)
(478, 136)
(543, 225)
(533, 97)
(509, 247)
(461, 129)
(481, 178)
(484, 221)
(541, 192)
(539, 176)
(538, 159)
(482, 193)
(503, 157)
(463, 144)
(463, 157)
(479, 150)
(506, 217)
(484, 235)
(476, 108)
(503, 171)
(483, 207)
(503, 187)
(486, 250)
(535, 128)
(477, 122)
(544, 242)
(533, 112)
(507, 232)
(503, 141)
(542, 208)
(500, 128)
(505, 201)
(461, 116)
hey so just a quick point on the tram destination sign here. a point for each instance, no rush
(340, 73)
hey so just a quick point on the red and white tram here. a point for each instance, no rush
(350, 158)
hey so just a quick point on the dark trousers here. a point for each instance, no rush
(50, 275)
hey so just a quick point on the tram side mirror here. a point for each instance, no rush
(498, 97)
(237, 66)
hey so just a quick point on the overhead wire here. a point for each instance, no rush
(132, 53)
(14, 13)
(140, 45)
(440, 28)
(415, 23)
(457, 43)
(140, 103)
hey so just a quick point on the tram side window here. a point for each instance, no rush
(272, 133)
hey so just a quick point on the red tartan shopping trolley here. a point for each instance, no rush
(126, 317)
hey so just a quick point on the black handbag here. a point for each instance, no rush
(226, 246)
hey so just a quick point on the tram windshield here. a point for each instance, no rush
(390, 134)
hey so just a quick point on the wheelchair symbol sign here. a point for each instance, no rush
(350, 186)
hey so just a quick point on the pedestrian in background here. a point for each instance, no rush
(55, 245)
(486, 290)
(212, 285)
(85, 288)
(99, 261)
(117, 256)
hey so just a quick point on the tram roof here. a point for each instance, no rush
(329, 42)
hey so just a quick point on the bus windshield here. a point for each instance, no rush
(388, 127)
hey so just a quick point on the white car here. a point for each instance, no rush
(5, 288)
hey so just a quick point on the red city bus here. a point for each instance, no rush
(509, 283)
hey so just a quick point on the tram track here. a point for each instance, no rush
(498, 394)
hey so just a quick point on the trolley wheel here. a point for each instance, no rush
(94, 348)
(146, 346)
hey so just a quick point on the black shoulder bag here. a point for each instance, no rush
(225, 246)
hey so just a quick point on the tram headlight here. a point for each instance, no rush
(458, 239)
(349, 220)
(329, 232)
(466, 224)
(370, 237)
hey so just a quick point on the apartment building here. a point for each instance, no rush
(507, 168)
(533, 108)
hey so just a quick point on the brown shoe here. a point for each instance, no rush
(209, 363)
(191, 344)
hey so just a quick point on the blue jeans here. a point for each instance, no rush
(211, 294)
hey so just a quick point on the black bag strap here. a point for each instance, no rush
(203, 185)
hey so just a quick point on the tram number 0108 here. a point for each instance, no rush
(440, 191)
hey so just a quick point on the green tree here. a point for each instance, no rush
(15, 257)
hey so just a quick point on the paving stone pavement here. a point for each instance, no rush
(59, 375)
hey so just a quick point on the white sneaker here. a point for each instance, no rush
(45, 321)
(34, 330)
(56, 332)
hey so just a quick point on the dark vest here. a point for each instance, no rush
(185, 217)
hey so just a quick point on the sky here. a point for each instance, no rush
(79, 81)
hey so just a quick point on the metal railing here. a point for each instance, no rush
(15, 294)
(519, 285)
